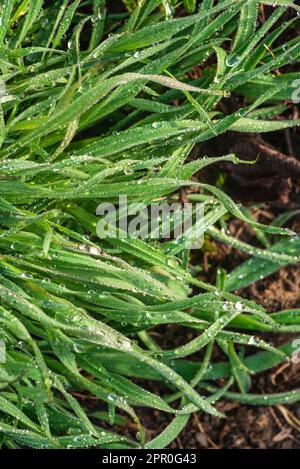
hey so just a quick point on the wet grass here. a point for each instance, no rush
(96, 105)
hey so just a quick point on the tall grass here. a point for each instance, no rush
(99, 104)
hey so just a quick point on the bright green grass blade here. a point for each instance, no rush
(254, 269)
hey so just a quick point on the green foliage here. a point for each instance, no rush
(89, 114)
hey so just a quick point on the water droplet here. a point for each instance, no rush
(232, 60)
(239, 306)
(25, 275)
(252, 340)
(172, 263)
(94, 250)
(156, 125)
(128, 170)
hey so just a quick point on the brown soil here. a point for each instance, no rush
(277, 292)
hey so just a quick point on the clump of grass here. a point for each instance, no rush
(88, 114)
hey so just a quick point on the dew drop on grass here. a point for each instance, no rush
(172, 263)
(156, 125)
(252, 340)
(232, 60)
(25, 275)
(78, 348)
(111, 397)
(128, 170)
(94, 251)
